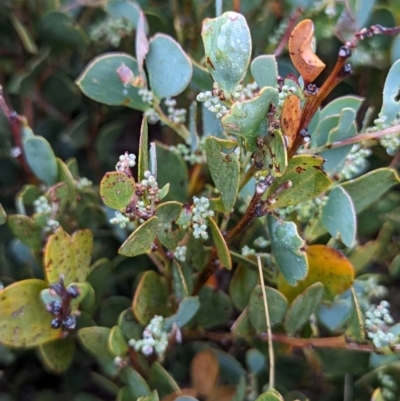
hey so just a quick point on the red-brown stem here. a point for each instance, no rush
(15, 125)
(339, 342)
(236, 6)
(285, 38)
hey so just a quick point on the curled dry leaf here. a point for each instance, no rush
(290, 118)
(301, 53)
(204, 372)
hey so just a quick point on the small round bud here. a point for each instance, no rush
(57, 288)
(56, 323)
(54, 307)
(69, 322)
(73, 291)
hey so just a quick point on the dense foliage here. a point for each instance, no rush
(199, 200)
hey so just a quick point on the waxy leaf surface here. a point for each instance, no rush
(24, 321)
(325, 265)
(227, 44)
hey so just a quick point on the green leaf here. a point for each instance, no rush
(58, 197)
(277, 306)
(125, 9)
(307, 178)
(141, 240)
(100, 81)
(391, 105)
(366, 189)
(333, 316)
(303, 306)
(169, 68)
(265, 70)
(65, 176)
(161, 380)
(186, 313)
(24, 35)
(127, 323)
(168, 233)
(59, 29)
(224, 169)
(143, 162)
(255, 361)
(288, 249)
(248, 118)
(276, 153)
(41, 159)
(360, 11)
(172, 169)
(57, 356)
(219, 241)
(3, 215)
(201, 78)
(270, 395)
(151, 297)
(242, 325)
(339, 216)
(178, 281)
(116, 342)
(98, 278)
(116, 190)
(336, 106)
(356, 327)
(241, 285)
(217, 301)
(94, 340)
(24, 322)
(227, 44)
(136, 383)
(26, 230)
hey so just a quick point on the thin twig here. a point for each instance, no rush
(356, 139)
(269, 331)
(285, 37)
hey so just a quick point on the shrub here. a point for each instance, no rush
(217, 217)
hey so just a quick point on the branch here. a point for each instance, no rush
(356, 139)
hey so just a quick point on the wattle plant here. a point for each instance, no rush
(237, 246)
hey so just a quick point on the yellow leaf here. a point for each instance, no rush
(326, 265)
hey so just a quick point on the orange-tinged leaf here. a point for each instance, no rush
(222, 393)
(301, 53)
(326, 265)
(290, 118)
(204, 371)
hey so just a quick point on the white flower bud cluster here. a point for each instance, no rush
(149, 187)
(388, 386)
(119, 219)
(186, 153)
(390, 142)
(126, 161)
(41, 205)
(180, 253)
(371, 289)
(154, 339)
(177, 116)
(355, 162)
(377, 320)
(285, 92)
(51, 225)
(246, 251)
(261, 242)
(305, 211)
(152, 116)
(111, 30)
(212, 102)
(146, 95)
(201, 212)
(82, 183)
